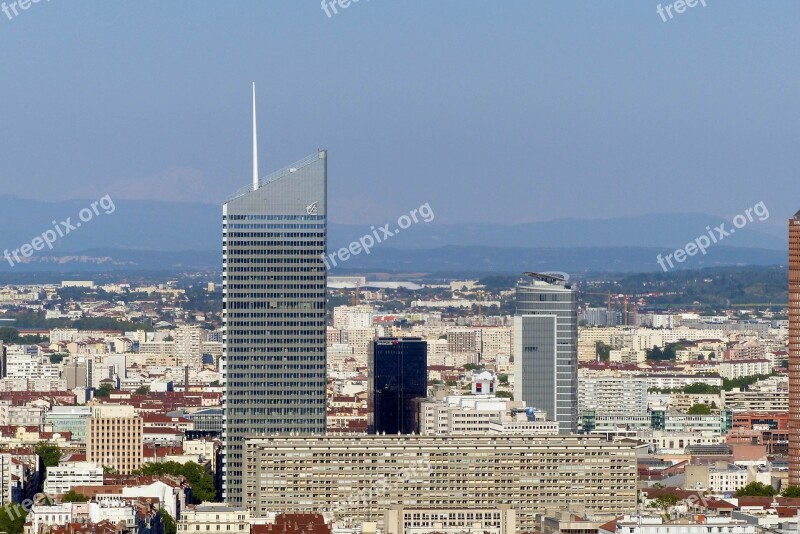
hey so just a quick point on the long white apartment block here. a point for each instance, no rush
(356, 477)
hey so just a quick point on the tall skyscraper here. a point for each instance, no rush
(274, 289)
(546, 348)
(398, 375)
(794, 350)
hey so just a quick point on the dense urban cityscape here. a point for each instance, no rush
(574, 331)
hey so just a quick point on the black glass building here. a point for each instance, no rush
(398, 375)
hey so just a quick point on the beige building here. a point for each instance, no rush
(114, 438)
(719, 477)
(215, 518)
(494, 342)
(756, 401)
(189, 346)
(354, 476)
(359, 339)
(414, 520)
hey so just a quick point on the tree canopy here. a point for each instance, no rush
(74, 496)
(791, 491)
(202, 482)
(699, 409)
(49, 453)
(756, 489)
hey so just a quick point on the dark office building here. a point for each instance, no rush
(398, 374)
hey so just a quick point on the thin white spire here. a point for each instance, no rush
(255, 142)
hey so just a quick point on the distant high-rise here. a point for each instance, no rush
(398, 375)
(274, 289)
(794, 350)
(546, 348)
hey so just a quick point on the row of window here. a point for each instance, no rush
(273, 226)
(278, 235)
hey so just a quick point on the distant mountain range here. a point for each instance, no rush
(151, 235)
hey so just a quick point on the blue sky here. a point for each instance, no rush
(491, 111)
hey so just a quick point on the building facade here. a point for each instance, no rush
(398, 377)
(115, 438)
(274, 245)
(546, 348)
(355, 476)
(794, 350)
(215, 518)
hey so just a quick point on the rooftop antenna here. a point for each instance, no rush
(255, 142)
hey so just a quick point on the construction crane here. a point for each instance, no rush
(607, 295)
(479, 318)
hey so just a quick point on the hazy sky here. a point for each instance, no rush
(500, 111)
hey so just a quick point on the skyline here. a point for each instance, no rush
(432, 107)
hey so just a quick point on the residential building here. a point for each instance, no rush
(739, 368)
(612, 395)
(354, 476)
(114, 437)
(719, 477)
(63, 477)
(481, 414)
(400, 519)
(794, 350)
(189, 346)
(347, 317)
(215, 518)
(656, 525)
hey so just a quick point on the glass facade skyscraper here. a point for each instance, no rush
(398, 375)
(546, 348)
(274, 288)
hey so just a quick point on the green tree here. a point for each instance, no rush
(103, 391)
(202, 482)
(49, 453)
(699, 409)
(701, 388)
(666, 501)
(8, 334)
(505, 394)
(602, 351)
(791, 491)
(756, 489)
(169, 524)
(12, 519)
(503, 379)
(142, 390)
(743, 382)
(74, 496)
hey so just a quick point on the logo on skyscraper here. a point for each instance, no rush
(311, 209)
